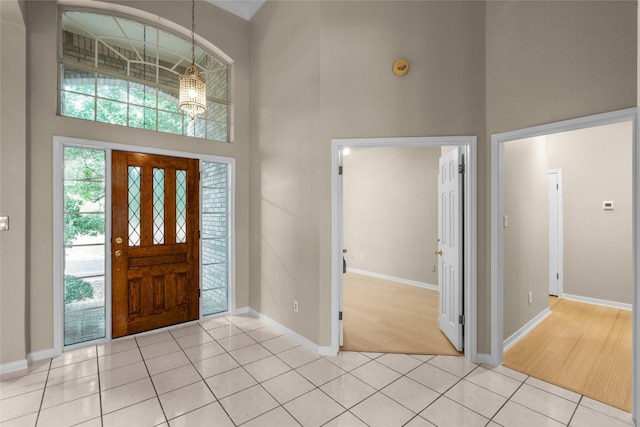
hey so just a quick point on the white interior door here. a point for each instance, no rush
(555, 235)
(450, 277)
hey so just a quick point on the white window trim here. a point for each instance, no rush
(59, 143)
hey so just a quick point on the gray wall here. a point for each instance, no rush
(322, 70)
(598, 253)
(13, 199)
(551, 61)
(390, 211)
(526, 243)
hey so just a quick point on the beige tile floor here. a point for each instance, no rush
(234, 371)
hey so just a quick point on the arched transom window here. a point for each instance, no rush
(116, 70)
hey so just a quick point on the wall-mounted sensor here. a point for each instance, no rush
(608, 206)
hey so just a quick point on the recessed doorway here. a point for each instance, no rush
(521, 265)
(467, 149)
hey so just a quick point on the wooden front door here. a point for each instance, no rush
(155, 242)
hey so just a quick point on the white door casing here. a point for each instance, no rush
(450, 278)
(341, 239)
(554, 179)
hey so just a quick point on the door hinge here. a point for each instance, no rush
(461, 319)
(557, 186)
(558, 276)
(461, 168)
(199, 293)
(339, 170)
(340, 316)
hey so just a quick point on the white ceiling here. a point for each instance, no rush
(242, 8)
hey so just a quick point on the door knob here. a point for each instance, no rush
(438, 252)
(344, 251)
(118, 253)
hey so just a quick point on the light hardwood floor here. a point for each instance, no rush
(582, 347)
(390, 317)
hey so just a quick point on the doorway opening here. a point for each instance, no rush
(524, 275)
(467, 148)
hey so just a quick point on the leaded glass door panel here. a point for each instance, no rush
(155, 234)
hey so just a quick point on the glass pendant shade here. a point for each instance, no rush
(193, 92)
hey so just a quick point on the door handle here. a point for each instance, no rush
(118, 253)
(344, 251)
(438, 252)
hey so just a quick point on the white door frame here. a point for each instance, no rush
(560, 236)
(497, 232)
(469, 146)
(59, 142)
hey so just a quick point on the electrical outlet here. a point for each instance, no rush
(433, 269)
(295, 306)
(530, 297)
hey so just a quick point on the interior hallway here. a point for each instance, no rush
(581, 347)
(239, 371)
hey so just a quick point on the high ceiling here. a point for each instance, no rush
(242, 8)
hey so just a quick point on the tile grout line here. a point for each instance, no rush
(44, 390)
(144, 361)
(99, 388)
(575, 410)
(260, 382)
(217, 400)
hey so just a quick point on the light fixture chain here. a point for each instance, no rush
(193, 33)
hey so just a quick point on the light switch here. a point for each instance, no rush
(4, 223)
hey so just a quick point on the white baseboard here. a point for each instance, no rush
(612, 304)
(321, 350)
(242, 310)
(41, 355)
(394, 279)
(24, 363)
(484, 358)
(524, 330)
(18, 365)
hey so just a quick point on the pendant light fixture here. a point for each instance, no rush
(193, 87)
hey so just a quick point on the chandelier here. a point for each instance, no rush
(193, 87)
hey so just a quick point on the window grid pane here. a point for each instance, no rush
(158, 206)
(214, 238)
(181, 206)
(139, 72)
(84, 245)
(134, 206)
